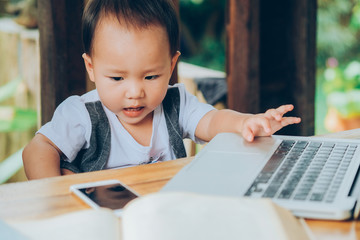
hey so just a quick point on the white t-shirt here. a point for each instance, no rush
(70, 130)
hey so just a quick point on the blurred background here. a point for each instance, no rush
(338, 66)
(338, 55)
(203, 37)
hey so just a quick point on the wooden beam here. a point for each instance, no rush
(304, 45)
(62, 68)
(242, 52)
(287, 59)
(271, 50)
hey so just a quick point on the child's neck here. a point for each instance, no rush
(142, 131)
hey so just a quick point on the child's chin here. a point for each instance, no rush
(130, 120)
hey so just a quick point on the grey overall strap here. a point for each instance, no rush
(171, 105)
(96, 156)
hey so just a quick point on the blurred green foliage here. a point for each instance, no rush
(341, 79)
(203, 32)
(342, 87)
(14, 119)
(338, 31)
(338, 55)
(338, 51)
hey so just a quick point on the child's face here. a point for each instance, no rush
(131, 69)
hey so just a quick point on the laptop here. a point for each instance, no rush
(312, 177)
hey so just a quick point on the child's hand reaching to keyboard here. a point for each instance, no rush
(266, 124)
(248, 125)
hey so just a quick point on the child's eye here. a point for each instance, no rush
(151, 77)
(117, 78)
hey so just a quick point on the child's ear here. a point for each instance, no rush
(89, 66)
(174, 60)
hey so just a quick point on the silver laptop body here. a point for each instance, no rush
(313, 177)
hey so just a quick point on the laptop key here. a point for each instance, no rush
(317, 197)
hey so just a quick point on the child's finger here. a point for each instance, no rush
(265, 124)
(274, 113)
(290, 120)
(248, 134)
(285, 108)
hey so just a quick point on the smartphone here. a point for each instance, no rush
(109, 194)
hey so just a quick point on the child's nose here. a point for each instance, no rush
(135, 90)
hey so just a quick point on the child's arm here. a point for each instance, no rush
(41, 158)
(249, 125)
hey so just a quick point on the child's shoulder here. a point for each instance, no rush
(91, 96)
(76, 103)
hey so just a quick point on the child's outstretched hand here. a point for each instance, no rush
(266, 124)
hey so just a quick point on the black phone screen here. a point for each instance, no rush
(113, 196)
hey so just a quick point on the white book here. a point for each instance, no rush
(173, 216)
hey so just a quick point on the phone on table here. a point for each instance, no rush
(109, 194)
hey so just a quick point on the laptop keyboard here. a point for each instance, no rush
(304, 171)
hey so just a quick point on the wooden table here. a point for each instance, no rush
(49, 197)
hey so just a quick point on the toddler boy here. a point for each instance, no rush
(133, 117)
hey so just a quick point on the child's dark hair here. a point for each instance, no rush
(136, 13)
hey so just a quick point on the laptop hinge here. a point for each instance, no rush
(355, 193)
(355, 187)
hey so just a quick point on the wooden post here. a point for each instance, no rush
(242, 66)
(271, 50)
(62, 68)
(287, 59)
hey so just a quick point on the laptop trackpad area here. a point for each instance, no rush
(224, 173)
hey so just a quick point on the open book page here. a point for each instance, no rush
(176, 216)
(8, 232)
(86, 224)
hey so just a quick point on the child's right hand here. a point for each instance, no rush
(266, 124)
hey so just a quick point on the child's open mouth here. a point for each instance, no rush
(133, 111)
